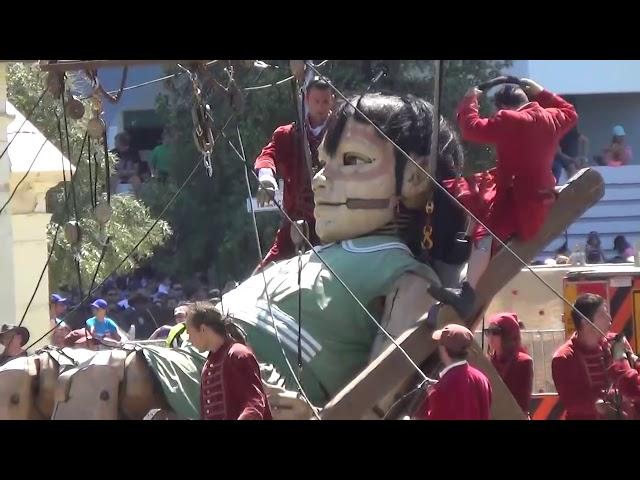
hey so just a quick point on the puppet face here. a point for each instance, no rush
(362, 169)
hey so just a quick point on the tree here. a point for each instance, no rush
(131, 218)
(210, 219)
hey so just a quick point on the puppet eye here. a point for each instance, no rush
(355, 159)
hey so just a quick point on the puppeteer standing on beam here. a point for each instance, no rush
(284, 156)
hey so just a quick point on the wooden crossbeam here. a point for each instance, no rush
(391, 371)
(72, 65)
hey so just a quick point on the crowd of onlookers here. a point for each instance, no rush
(132, 171)
(592, 252)
(144, 300)
(573, 152)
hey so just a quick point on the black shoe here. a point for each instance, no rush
(461, 299)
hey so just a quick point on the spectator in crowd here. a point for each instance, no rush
(177, 291)
(572, 155)
(172, 332)
(12, 339)
(462, 393)
(161, 157)
(510, 358)
(171, 303)
(624, 251)
(230, 285)
(593, 249)
(618, 153)
(563, 254)
(129, 163)
(114, 310)
(100, 326)
(141, 316)
(57, 309)
(214, 295)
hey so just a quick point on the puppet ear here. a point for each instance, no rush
(415, 184)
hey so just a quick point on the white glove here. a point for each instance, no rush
(268, 187)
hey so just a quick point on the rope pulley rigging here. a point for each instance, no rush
(202, 121)
(74, 107)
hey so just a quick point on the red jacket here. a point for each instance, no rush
(514, 366)
(463, 393)
(284, 156)
(231, 387)
(517, 374)
(526, 141)
(577, 389)
(627, 380)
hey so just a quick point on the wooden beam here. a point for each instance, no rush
(391, 371)
(71, 65)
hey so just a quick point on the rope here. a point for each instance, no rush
(24, 177)
(53, 245)
(44, 269)
(455, 200)
(168, 204)
(26, 119)
(64, 174)
(107, 168)
(95, 273)
(91, 194)
(264, 277)
(96, 167)
(73, 188)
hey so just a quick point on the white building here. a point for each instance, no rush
(605, 93)
(23, 223)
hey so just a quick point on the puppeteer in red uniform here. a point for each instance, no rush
(284, 157)
(232, 386)
(514, 198)
(463, 392)
(584, 369)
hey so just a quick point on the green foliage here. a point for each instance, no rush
(213, 230)
(130, 219)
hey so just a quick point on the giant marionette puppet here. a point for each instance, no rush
(371, 208)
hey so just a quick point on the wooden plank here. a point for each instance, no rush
(391, 370)
(71, 65)
(574, 199)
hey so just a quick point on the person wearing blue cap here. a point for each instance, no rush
(101, 326)
(618, 153)
(57, 308)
